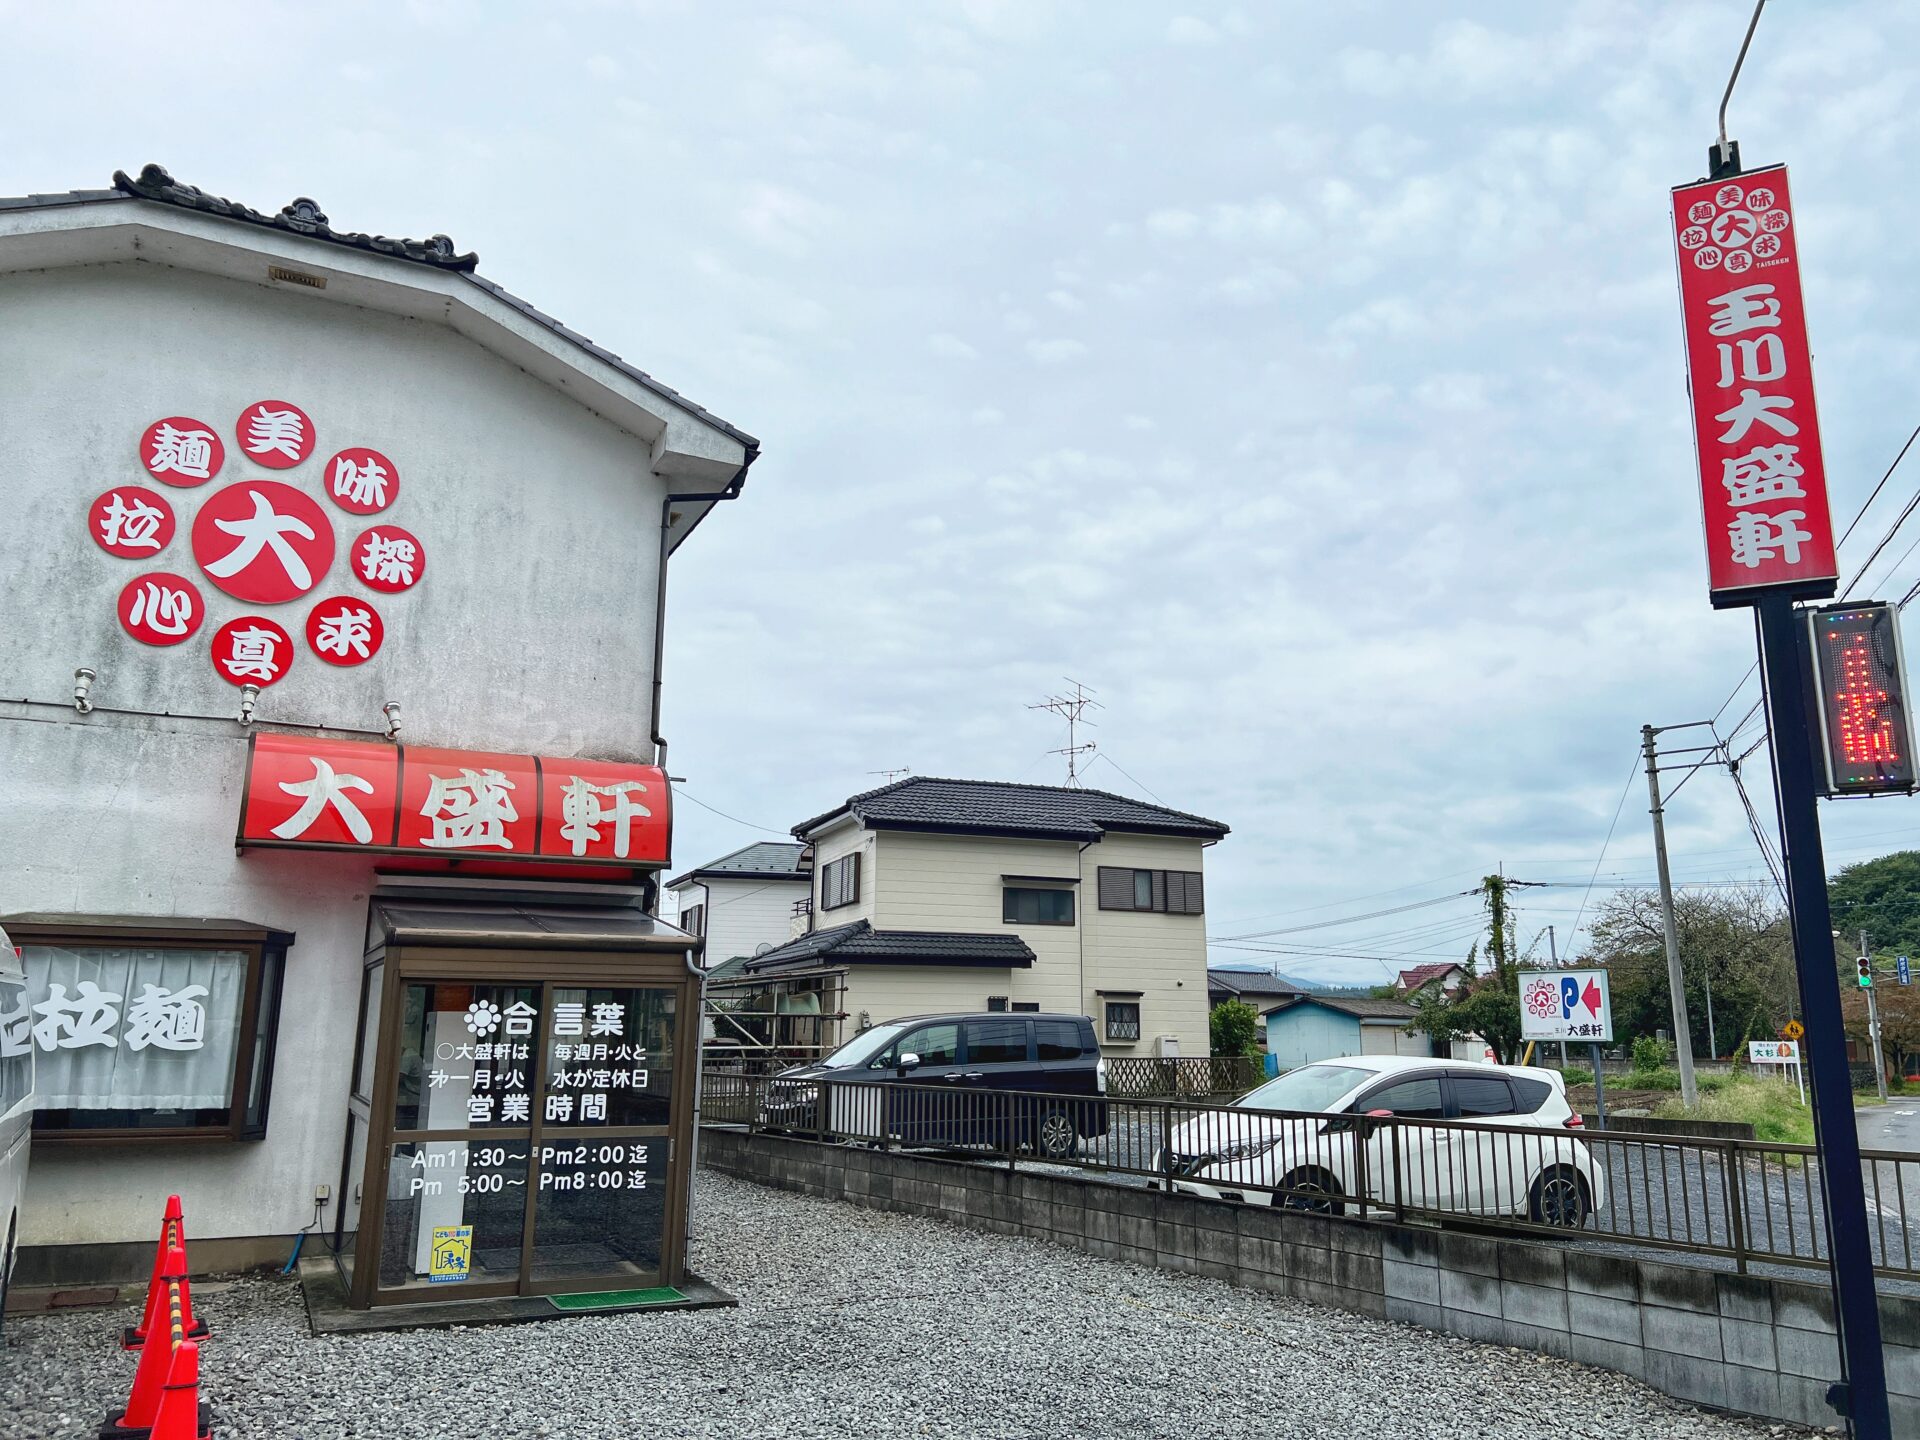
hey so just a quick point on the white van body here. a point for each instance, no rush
(16, 1103)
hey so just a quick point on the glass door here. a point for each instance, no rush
(529, 1144)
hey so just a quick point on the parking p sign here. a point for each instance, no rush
(1566, 1005)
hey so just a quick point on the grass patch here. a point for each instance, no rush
(1577, 1075)
(1769, 1106)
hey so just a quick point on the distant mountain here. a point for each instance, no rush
(1281, 977)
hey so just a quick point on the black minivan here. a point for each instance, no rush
(997, 1079)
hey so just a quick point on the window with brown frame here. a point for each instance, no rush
(148, 1029)
(840, 882)
(693, 919)
(1175, 892)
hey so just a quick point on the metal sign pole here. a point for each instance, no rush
(1862, 1392)
(1599, 1089)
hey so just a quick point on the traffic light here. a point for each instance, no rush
(1865, 975)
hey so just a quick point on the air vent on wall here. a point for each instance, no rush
(296, 277)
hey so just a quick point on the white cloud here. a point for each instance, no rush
(951, 347)
(1188, 30)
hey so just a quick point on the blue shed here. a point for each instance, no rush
(1326, 1027)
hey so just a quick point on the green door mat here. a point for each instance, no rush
(616, 1299)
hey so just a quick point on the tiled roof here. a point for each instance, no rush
(997, 807)
(1420, 974)
(762, 860)
(1362, 1007)
(1253, 982)
(859, 943)
(304, 218)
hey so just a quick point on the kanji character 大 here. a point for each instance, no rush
(328, 788)
(1756, 409)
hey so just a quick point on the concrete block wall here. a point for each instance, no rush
(1745, 1343)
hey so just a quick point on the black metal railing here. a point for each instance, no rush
(1747, 1201)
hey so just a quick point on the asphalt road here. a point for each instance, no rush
(1894, 1126)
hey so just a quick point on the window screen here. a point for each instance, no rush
(840, 882)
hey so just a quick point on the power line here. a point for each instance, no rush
(1601, 858)
(1348, 919)
(682, 793)
(1103, 755)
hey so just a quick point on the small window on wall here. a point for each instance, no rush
(147, 1036)
(1173, 892)
(1036, 907)
(1123, 1020)
(840, 882)
(693, 919)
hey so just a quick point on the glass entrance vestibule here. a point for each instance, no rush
(521, 1113)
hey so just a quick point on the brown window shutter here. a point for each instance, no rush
(1196, 894)
(1116, 888)
(853, 880)
(1176, 892)
(1160, 890)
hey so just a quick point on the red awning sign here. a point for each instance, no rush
(1763, 484)
(392, 799)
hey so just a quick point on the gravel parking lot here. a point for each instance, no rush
(858, 1323)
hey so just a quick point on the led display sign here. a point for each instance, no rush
(1861, 685)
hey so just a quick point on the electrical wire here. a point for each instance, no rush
(1345, 919)
(681, 791)
(1601, 858)
(1103, 755)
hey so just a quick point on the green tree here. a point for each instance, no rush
(1488, 1005)
(1234, 1029)
(1881, 897)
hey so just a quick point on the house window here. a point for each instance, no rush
(996, 1003)
(693, 919)
(146, 1036)
(1029, 1007)
(840, 882)
(1175, 892)
(1020, 906)
(1123, 1020)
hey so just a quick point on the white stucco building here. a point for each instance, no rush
(745, 902)
(535, 485)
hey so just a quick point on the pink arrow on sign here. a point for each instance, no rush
(1592, 997)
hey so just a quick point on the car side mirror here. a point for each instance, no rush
(909, 1061)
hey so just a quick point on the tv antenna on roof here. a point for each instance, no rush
(1072, 708)
(887, 775)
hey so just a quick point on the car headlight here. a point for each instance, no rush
(1247, 1149)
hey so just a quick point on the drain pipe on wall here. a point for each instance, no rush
(731, 492)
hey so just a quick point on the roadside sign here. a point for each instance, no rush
(1773, 1052)
(1566, 1005)
(1901, 972)
(1792, 1030)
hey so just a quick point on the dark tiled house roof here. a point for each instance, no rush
(1257, 984)
(995, 807)
(305, 219)
(1361, 1007)
(1422, 974)
(762, 860)
(859, 943)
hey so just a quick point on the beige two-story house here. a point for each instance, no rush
(966, 895)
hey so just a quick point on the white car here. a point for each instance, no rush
(1445, 1136)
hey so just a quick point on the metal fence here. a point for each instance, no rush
(1747, 1201)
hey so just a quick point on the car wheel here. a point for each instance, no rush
(1560, 1197)
(1055, 1139)
(1311, 1190)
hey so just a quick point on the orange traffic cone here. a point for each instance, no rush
(173, 1231)
(181, 1415)
(152, 1376)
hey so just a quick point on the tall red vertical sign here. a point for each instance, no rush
(1763, 486)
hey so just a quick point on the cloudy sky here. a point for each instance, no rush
(1305, 380)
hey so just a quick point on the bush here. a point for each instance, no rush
(1653, 1080)
(1714, 1083)
(1650, 1053)
(1770, 1106)
(1577, 1075)
(1234, 1029)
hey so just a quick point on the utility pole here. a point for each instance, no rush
(1553, 955)
(1676, 983)
(1873, 1023)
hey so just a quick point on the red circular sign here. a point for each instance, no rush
(263, 541)
(361, 480)
(388, 558)
(252, 650)
(345, 632)
(181, 451)
(161, 609)
(274, 433)
(131, 521)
